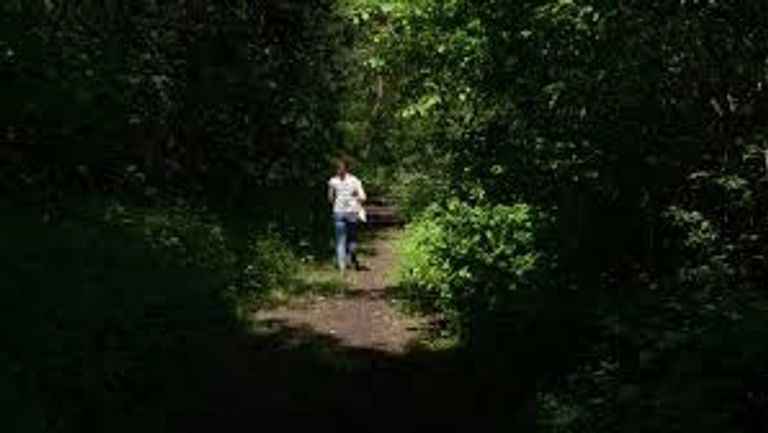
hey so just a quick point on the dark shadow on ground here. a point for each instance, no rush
(99, 334)
(295, 373)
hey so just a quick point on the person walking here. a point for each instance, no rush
(346, 194)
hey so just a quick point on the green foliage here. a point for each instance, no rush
(269, 265)
(94, 320)
(415, 192)
(587, 398)
(640, 126)
(189, 236)
(125, 310)
(557, 416)
(468, 261)
(207, 99)
(193, 237)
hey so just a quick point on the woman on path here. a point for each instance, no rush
(346, 194)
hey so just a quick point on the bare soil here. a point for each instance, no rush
(362, 317)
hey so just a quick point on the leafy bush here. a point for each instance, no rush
(468, 262)
(117, 318)
(415, 192)
(586, 398)
(193, 237)
(268, 265)
(700, 340)
(94, 322)
(189, 236)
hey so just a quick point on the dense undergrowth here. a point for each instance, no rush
(602, 361)
(637, 136)
(109, 310)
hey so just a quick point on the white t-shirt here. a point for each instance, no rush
(347, 193)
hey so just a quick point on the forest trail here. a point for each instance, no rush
(364, 315)
(356, 353)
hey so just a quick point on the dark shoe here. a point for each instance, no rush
(356, 263)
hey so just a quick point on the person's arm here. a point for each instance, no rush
(331, 193)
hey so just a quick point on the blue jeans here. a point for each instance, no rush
(345, 224)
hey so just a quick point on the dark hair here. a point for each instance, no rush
(345, 161)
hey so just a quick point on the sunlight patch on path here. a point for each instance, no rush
(364, 316)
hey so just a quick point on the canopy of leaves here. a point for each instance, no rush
(205, 98)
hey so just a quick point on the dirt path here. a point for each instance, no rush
(350, 356)
(362, 317)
